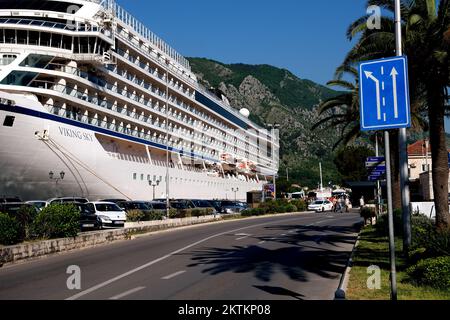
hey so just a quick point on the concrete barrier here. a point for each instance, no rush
(426, 208)
(35, 249)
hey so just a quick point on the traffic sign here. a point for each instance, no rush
(384, 94)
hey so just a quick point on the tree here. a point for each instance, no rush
(350, 162)
(426, 29)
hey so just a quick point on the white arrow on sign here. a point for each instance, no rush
(394, 75)
(369, 75)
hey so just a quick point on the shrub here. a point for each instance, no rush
(434, 272)
(10, 230)
(368, 213)
(300, 204)
(155, 215)
(291, 208)
(135, 215)
(382, 226)
(56, 221)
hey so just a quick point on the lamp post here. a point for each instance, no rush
(153, 184)
(273, 127)
(51, 176)
(235, 190)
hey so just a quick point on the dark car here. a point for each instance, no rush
(228, 206)
(181, 204)
(156, 206)
(88, 219)
(9, 199)
(12, 208)
(134, 205)
(217, 204)
(203, 204)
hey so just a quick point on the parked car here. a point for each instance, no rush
(203, 204)
(67, 200)
(181, 204)
(7, 199)
(11, 208)
(156, 206)
(134, 205)
(217, 204)
(88, 219)
(40, 204)
(113, 200)
(230, 207)
(110, 214)
(321, 205)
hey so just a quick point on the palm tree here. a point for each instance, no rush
(342, 111)
(426, 29)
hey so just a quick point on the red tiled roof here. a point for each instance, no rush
(418, 148)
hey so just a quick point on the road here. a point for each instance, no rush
(300, 256)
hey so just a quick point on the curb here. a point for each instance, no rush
(342, 288)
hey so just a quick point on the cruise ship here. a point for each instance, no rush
(94, 104)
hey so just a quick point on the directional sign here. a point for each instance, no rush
(384, 94)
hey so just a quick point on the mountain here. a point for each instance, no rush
(275, 95)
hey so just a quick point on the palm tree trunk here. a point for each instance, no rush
(439, 154)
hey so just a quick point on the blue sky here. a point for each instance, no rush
(305, 37)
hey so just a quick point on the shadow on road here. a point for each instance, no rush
(280, 292)
(305, 250)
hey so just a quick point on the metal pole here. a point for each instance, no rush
(274, 187)
(378, 195)
(287, 174)
(321, 180)
(167, 145)
(404, 175)
(390, 216)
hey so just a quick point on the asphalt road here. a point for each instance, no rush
(299, 256)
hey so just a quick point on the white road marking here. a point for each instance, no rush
(243, 236)
(261, 242)
(283, 234)
(144, 266)
(126, 293)
(173, 275)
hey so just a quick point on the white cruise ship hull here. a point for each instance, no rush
(39, 142)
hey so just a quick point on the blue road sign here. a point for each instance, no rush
(384, 94)
(376, 159)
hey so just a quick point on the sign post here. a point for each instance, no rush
(384, 100)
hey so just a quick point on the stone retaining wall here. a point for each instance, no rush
(35, 249)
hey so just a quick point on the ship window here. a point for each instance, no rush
(9, 121)
(39, 5)
(142, 177)
(134, 176)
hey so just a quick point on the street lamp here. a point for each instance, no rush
(235, 190)
(153, 184)
(273, 127)
(51, 176)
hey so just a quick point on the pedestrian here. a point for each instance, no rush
(361, 202)
(347, 204)
(341, 204)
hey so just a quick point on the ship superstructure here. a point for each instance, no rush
(89, 91)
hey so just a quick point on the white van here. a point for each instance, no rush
(109, 213)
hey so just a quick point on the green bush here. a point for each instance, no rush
(56, 221)
(291, 208)
(10, 230)
(301, 205)
(382, 226)
(433, 272)
(155, 215)
(368, 213)
(135, 215)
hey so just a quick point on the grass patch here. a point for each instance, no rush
(374, 250)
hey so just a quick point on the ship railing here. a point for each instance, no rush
(52, 25)
(75, 114)
(96, 100)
